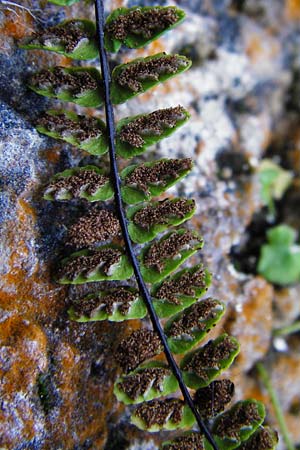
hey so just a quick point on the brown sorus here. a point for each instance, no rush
(212, 399)
(210, 357)
(153, 124)
(87, 181)
(159, 412)
(70, 35)
(132, 75)
(167, 248)
(84, 265)
(158, 174)
(230, 423)
(194, 318)
(170, 290)
(58, 79)
(121, 298)
(138, 347)
(140, 382)
(191, 441)
(83, 129)
(159, 213)
(95, 227)
(262, 439)
(142, 23)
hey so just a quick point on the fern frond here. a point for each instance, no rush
(108, 263)
(73, 38)
(80, 85)
(149, 219)
(88, 182)
(136, 134)
(86, 133)
(164, 256)
(115, 305)
(136, 27)
(143, 380)
(141, 74)
(202, 366)
(189, 327)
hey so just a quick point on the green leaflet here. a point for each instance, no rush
(73, 38)
(189, 327)
(264, 438)
(135, 27)
(181, 290)
(167, 414)
(150, 219)
(115, 305)
(159, 263)
(147, 180)
(238, 423)
(279, 260)
(202, 366)
(86, 133)
(274, 182)
(135, 134)
(105, 263)
(141, 74)
(80, 85)
(86, 182)
(146, 383)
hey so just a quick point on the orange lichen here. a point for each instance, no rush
(261, 47)
(26, 287)
(292, 9)
(16, 24)
(53, 154)
(24, 345)
(253, 323)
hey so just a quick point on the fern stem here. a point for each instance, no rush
(264, 376)
(99, 11)
(289, 329)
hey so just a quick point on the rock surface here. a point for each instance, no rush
(57, 375)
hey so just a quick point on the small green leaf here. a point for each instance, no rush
(136, 27)
(279, 260)
(164, 256)
(202, 366)
(146, 383)
(84, 132)
(238, 424)
(274, 182)
(181, 290)
(189, 440)
(148, 220)
(189, 327)
(147, 180)
(115, 305)
(80, 85)
(264, 438)
(167, 414)
(86, 182)
(105, 263)
(141, 74)
(73, 38)
(136, 134)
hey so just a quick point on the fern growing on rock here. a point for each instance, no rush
(105, 239)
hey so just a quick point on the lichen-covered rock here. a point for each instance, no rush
(242, 93)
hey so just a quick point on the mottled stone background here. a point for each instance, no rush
(56, 376)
